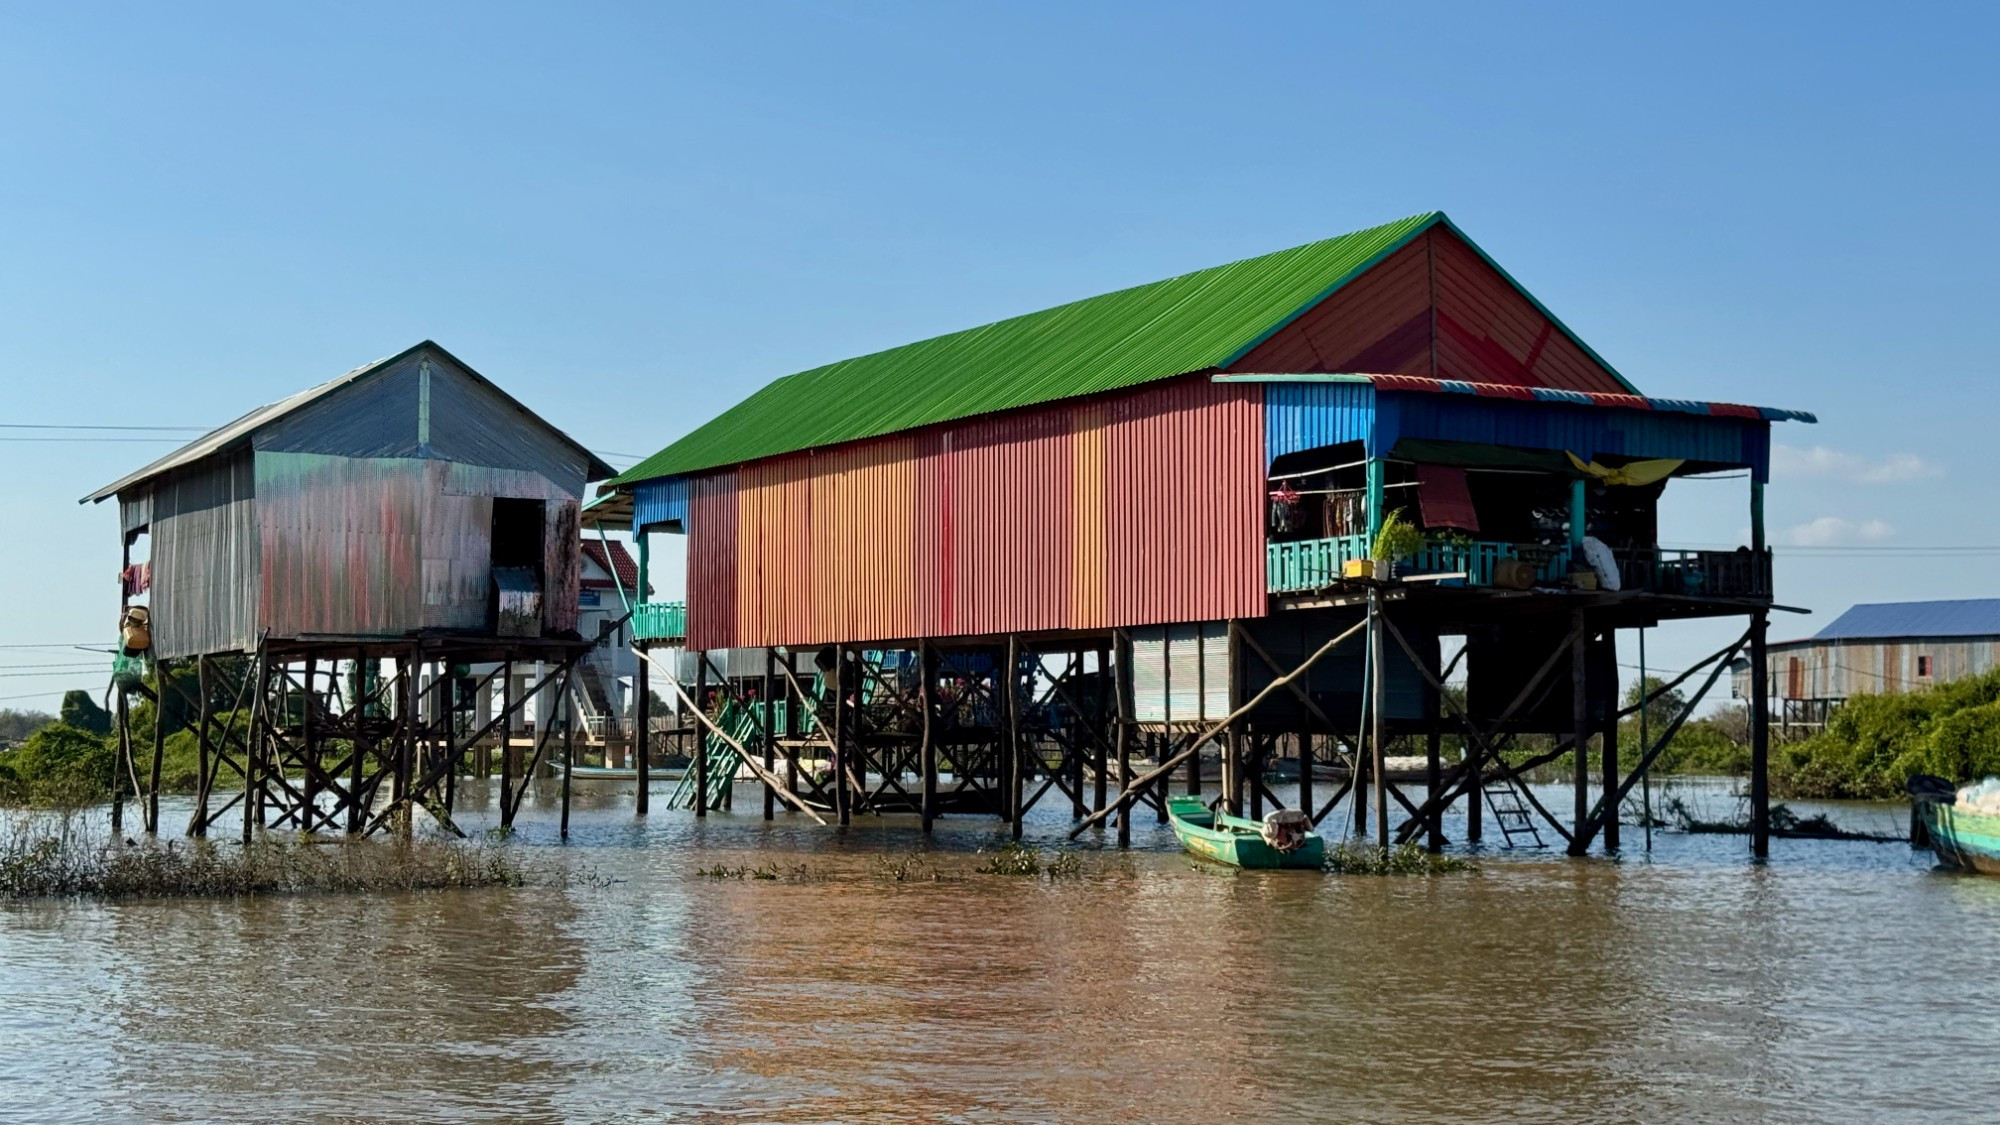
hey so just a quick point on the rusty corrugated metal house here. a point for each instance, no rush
(377, 506)
(1883, 648)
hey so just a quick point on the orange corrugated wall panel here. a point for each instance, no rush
(1138, 508)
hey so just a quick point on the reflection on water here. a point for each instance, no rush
(1843, 981)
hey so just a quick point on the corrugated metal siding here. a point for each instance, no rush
(1380, 321)
(1840, 669)
(659, 502)
(1140, 508)
(1300, 416)
(1180, 672)
(387, 546)
(1489, 331)
(424, 405)
(1579, 429)
(205, 558)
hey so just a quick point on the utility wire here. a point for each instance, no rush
(59, 426)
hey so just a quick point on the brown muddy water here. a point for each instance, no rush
(1839, 982)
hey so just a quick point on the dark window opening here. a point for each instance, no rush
(1923, 666)
(517, 532)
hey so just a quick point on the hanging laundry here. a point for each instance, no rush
(1445, 499)
(137, 578)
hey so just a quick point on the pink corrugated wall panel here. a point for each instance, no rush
(1135, 509)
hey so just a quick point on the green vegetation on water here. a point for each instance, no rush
(1874, 744)
(57, 855)
(1406, 859)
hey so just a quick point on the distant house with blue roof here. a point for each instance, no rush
(1881, 648)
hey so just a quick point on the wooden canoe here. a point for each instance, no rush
(1235, 840)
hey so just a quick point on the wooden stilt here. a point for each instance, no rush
(1100, 725)
(1122, 690)
(121, 762)
(1433, 784)
(1232, 746)
(569, 740)
(1305, 751)
(308, 745)
(159, 747)
(1608, 750)
(927, 676)
(642, 722)
(507, 756)
(1579, 694)
(1016, 766)
(1378, 741)
(1760, 737)
(198, 824)
(357, 810)
(700, 752)
(767, 729)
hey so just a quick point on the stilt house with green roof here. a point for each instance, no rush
(1176, 495)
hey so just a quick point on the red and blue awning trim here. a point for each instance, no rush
(1427, 384)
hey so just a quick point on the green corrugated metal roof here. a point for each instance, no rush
(1188, 323)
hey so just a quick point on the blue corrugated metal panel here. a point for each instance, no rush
(1583, 430)
(657, 502)
(1309, 415)
(1977, 617)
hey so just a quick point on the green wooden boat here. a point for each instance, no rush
(1962, 838)
(1235, 840)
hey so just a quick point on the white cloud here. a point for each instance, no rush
(1824, 461)
(1831, 531)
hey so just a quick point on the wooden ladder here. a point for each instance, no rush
(1511, 813)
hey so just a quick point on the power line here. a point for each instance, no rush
(60, 426)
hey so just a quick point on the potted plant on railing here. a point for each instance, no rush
(1396, 541)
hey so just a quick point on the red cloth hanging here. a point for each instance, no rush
(1446, 500)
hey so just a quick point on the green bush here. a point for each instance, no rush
(1874, 743)
(83, 713)
(58, 766)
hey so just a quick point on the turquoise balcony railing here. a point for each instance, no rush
(1313, 564)
(660, 621)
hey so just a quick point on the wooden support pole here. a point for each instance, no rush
(1232, 747)
(767, 728)
(308, 746)
(1608, 751)
(357, 708)
(1016, 763)
(642, 705)
(1579, 698)
(121, 762)
(159, 747)
(1101, 720)
(1378, 763)
(837, 759)
(699, 761)
(1305, 744)
(406, 754)
(507, 758)
(1433, 785)
(569, 740)
(1760, 738)
(198, 825)
(260, 674)
(927, 675)
(1362, 729)
(702, 720)
(1121, 686)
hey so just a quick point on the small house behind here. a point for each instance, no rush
(407, 497)
(1881, 648)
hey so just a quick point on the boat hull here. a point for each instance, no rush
(1967, 841)
(1235, 841)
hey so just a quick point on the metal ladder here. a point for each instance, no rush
(723, 760)
(1510, 813)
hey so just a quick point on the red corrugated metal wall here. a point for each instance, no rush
(1140, 508)
(1381, 323)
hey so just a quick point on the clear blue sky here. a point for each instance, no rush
(631, 216)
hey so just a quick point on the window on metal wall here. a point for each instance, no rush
(1923, 667)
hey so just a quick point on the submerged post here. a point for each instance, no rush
(1121, 686)
(569, 740)
(927, 750)
(1009, 679)
(700, 756)
(767, 727)
(1579, 695)
(1378, 761)
(1760, 740)
(642, 719)
(1433, 784)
